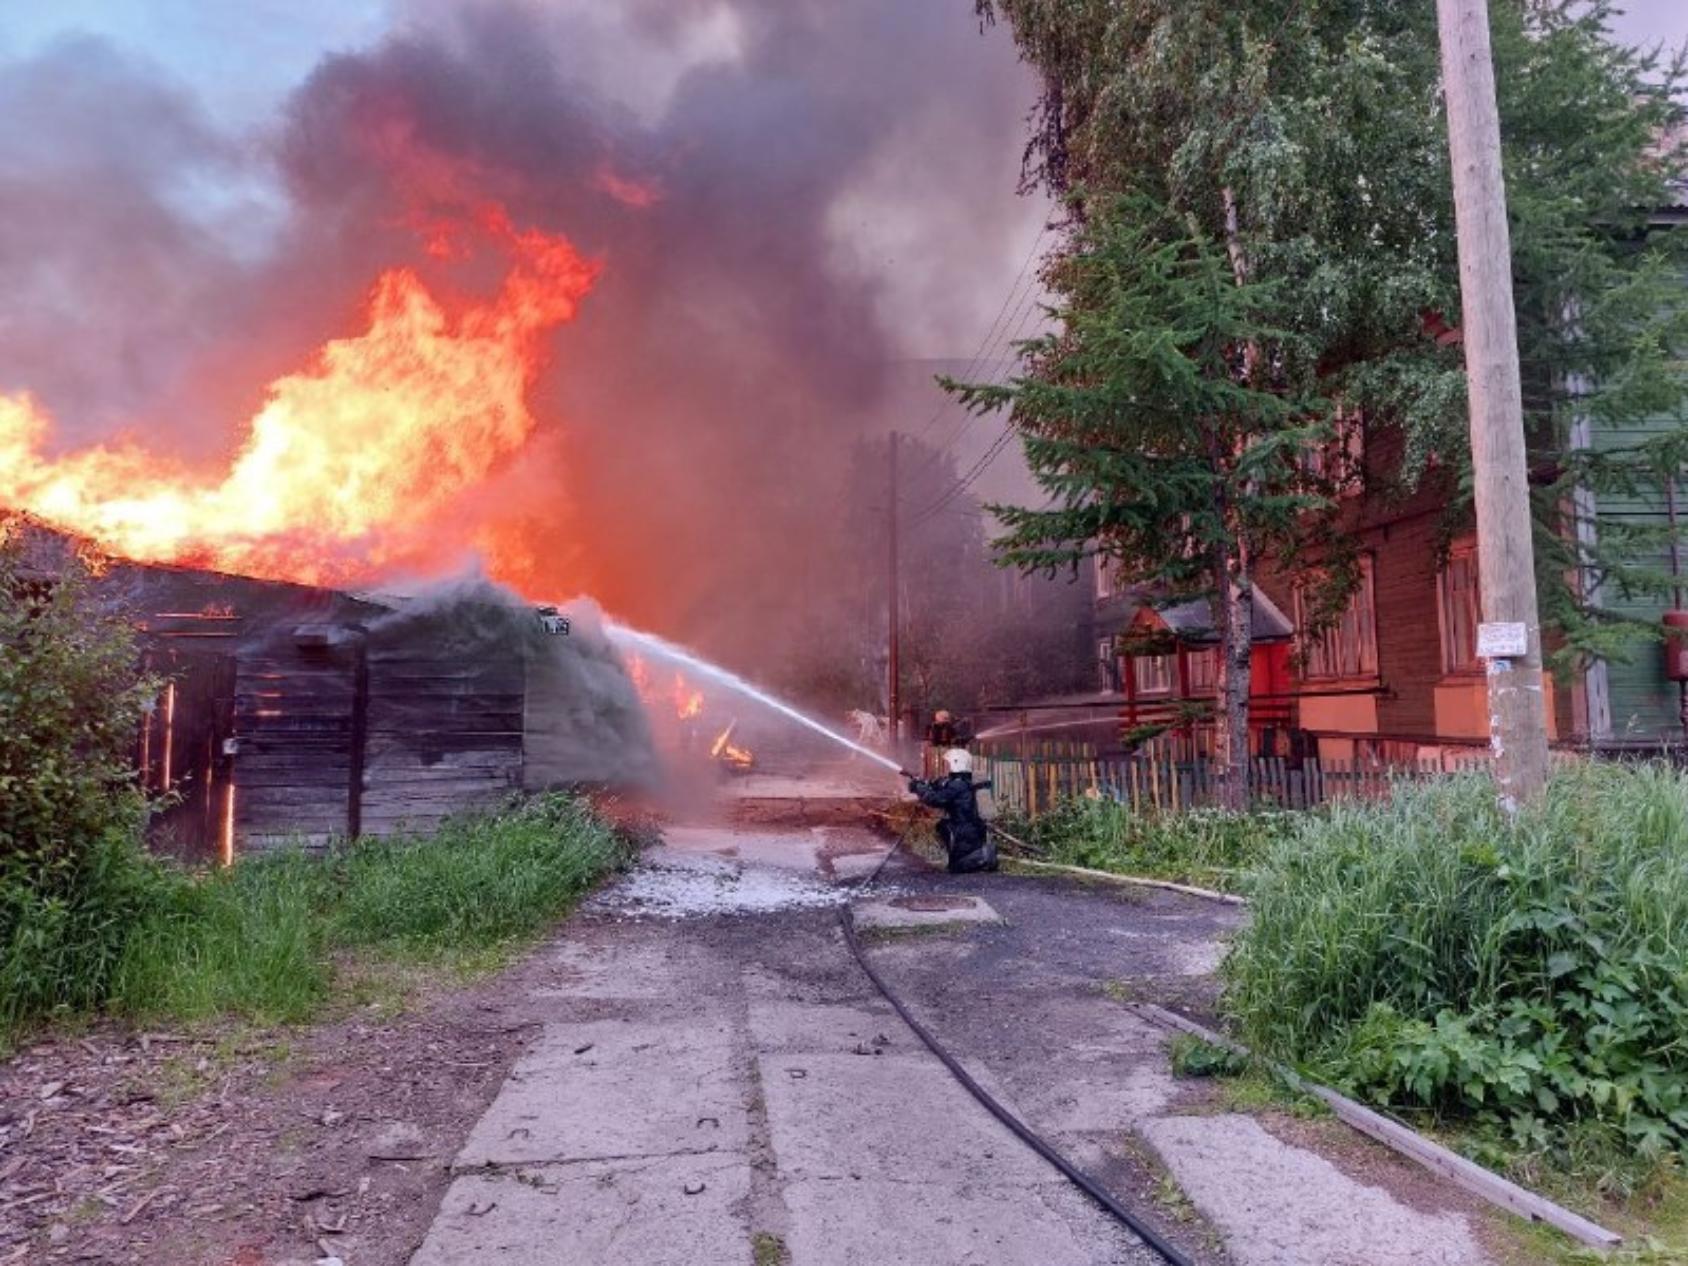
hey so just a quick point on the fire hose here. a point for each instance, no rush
(1083, 1181)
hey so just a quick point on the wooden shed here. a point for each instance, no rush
(294, 714)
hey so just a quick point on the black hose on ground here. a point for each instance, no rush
(1083, 1181)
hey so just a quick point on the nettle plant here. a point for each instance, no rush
(1529, 975)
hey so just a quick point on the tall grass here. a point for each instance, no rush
(1201, 846)
(478, 882)
(1530, 973)
(144, 938)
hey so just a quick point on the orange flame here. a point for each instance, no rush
(349, 463)
(723, 749)
(688, 703)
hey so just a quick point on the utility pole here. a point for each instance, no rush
(893, 580)
(1510, 638)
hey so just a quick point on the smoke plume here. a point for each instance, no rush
(785, 196)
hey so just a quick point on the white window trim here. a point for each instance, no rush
(1170, 663)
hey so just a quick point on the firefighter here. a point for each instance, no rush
(941, 733)
(944, 733)
(962, 831)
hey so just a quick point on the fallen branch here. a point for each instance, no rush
(142, 1203)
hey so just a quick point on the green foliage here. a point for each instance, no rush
(478, 881)
(1528, 974)
(1310, 140)
(62, 948)
(1210, 847)
(1134, 420)
(1192, 1057)
(142, 937)
(71, 700)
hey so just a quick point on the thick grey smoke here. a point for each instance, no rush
(787, 195)
(582, 719)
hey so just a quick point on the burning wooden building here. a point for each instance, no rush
(293, 713)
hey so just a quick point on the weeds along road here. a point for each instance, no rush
(715, 1080)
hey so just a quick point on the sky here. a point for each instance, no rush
(1649, 20)
(241, 62)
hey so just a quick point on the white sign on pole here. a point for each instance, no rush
(1503, 641)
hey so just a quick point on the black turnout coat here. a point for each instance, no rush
(962, 831)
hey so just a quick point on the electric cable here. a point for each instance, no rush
(991, 334)
(1167, 1251)
(966, 481)
(1011, 334)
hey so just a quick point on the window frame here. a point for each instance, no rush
(1364, 661)
(1463, 553)
(1107, 668)
(1167, 676)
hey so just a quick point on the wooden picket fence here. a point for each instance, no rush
(1029, 785)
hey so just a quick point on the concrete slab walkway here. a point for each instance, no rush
(717, 1082)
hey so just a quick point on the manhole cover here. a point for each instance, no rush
(933, 903)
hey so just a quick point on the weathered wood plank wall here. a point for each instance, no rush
(444, 733)
(293, 710)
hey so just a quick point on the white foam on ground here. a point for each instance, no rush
(674, 885)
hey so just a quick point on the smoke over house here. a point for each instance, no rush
(638, 276)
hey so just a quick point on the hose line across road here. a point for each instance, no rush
(1083, 1181)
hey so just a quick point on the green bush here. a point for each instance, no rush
(1201, 846)
(1528, 974)
(61, 949)
(71, 699)
(72, 877)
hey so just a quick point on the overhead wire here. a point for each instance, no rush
(992, 334)
(1010, 334)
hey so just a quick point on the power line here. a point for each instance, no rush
(977, 470)
(992, 334)
(1022, 316)
(968, 480)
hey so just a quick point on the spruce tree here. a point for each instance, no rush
(1306, 138)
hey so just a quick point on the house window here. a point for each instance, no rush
(1347, 648)
(1154, 673)
(1340, 461)
(1107, 674)
(1203, 669)
(1460, 598)
(1105, 578)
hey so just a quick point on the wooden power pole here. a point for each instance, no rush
(1510, 638)
(893, 670)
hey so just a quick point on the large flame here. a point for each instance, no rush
(349, 463)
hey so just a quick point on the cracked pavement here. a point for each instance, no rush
(716, 1081)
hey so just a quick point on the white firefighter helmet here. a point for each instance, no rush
(958, 760)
